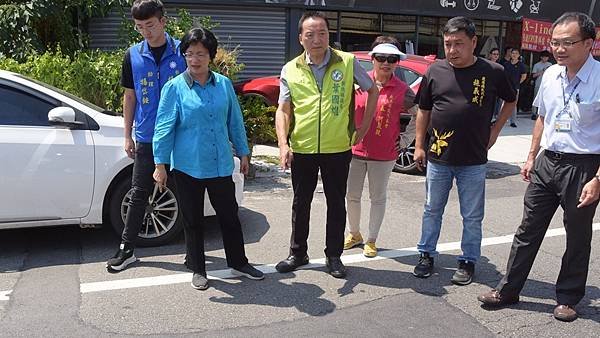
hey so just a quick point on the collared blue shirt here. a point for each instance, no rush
(197, 125)
(583, 106)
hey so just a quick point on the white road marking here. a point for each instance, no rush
(314, 263)
(270, 268)
(4, 295)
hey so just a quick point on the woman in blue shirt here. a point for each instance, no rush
(198, 121)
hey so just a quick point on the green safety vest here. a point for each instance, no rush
(323, 121)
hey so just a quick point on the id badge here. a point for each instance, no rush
(563, 125)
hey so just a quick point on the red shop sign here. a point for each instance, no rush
(535, 36)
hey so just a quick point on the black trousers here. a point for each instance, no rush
(555, 181)
(334, 174)
(142, 184)
(221, 192)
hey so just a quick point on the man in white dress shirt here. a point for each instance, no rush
(566, 173)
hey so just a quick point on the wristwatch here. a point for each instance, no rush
(597, 177)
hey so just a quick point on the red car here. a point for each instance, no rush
(410, 71)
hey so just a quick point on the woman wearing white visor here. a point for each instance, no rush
(376, 154)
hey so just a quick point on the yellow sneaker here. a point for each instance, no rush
(370, 250)
(351, 241)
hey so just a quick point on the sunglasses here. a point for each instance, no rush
(389, 58)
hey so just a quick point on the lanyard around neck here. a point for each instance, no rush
(567, 99)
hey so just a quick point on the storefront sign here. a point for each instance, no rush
(536, 36)
(596, 47)
(505, 10)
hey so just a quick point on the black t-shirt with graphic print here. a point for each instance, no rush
(461, 101)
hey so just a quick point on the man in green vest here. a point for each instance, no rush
(315, 131)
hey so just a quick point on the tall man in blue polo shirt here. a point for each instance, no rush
(566, 173)
(147, 66)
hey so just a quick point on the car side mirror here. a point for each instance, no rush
(63, 116)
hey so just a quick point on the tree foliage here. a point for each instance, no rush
(95, 75)
(41, 25)
(45, 40)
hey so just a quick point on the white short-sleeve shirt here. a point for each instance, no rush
(582, 98)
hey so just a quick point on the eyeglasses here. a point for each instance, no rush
(388, 58)
(140, 29)
(565, 43)
(194, 56)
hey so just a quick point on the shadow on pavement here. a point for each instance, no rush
(588, 307)
(497, 170)
(435, 285)
(97, 245)
(304, 297)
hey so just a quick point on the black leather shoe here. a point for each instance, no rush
(493, 298)
(291, 263)
(336, 267)
(565, 313)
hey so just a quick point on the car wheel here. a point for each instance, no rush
(405, 163)
(162, 220)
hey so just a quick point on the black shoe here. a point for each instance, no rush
(199, 281)
(425, 266)
(336, 267)
(291, 263)
(123, 258)
(494, 299)
(248, 271)
(464, 274)
(565, 313)
(514, 125)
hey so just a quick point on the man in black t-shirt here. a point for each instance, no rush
(517, 73)
(456, 100)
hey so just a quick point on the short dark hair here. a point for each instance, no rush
(545, 53)
(200, 35)
(507, 49)
(146, 9)
(514, 49)
(587, 27)
(459, 23)
(495, 49)
(312, 14)
(385, 39)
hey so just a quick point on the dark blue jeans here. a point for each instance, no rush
(142, 184)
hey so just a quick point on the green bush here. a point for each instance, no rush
(36, 26)
(259, 120)
(95, 75)
(91, 75)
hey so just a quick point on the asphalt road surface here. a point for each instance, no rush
(53, 281)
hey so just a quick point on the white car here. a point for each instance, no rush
(62, 162)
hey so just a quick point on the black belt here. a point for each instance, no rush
(557, 155)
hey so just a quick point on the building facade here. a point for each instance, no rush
(266, 31)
